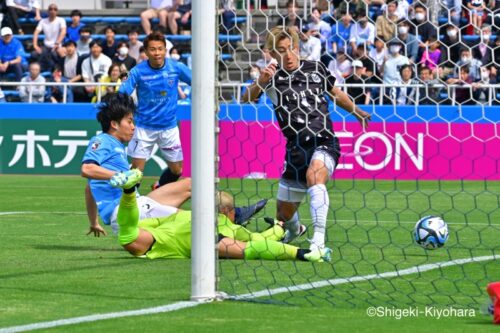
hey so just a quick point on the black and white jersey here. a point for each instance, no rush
(300, 103)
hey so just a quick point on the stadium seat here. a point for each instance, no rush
(113, 20)
(172, 38)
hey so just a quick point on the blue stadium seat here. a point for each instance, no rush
(172, 38)
(11, 93)
(444, 20)
(113, 20)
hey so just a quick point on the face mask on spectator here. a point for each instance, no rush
(175, 56)
(420, 16)
(403, 30)
(485, 76)
(254, 75)
(394, 49)
(486, 36)
(451, 33)
(123, 51)
(465, 59)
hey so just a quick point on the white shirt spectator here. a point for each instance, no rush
(37, 92)
(311, 49)
(83, 48)
(338, 70)
(378, 57)
(360, 35)
(391, 69)
(29, 4)
(160, 4)
(134, 50)
(100, 67)
(324, 30)
(51, 30)
(401, 10)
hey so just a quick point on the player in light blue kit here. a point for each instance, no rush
(105, 156)
(156, 81)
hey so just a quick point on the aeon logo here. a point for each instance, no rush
(375, 151)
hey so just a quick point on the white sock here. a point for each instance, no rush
(319, 211)
(293, 224)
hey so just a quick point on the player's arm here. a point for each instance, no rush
(343, 100)
(129, 85)
(184, 73)
(94, 226)
(255, 89)
(93, 171)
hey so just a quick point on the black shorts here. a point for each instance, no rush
(183, 9)
(298, 158)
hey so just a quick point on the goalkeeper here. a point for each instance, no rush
(170, 237)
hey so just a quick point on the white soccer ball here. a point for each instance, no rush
(431, 232)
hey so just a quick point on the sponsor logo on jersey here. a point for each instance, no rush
(95, 145)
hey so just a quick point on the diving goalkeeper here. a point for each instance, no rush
(170, 237)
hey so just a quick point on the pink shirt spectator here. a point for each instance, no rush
(431, 58)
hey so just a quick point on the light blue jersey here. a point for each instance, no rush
(157, 93)
(106, 151)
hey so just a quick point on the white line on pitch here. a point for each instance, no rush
(262, 293)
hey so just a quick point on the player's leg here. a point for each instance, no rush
(268, 250)
(169, 142)
(320, 169)
(287, 203)
(141, 146)
(133, 239)
(162, 16)
(173, 194)
(172, 21)
(228, 229)
(147, 15)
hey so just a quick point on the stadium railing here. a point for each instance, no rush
(236, 87)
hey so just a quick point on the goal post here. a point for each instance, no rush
(204, 109)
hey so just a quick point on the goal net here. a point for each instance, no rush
(430, 149)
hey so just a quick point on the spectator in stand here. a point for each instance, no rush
(227, 11)
(37, 92)
(473, 65)
(483, 51)
(410, 42)
(451, 45)
(362, 32)
(83, 43)
(55, 94)
(2, 97)
(16, 8)
(360, 95)
(109, 46)
(112, 76)
(386, 23)
(159, 9)
(405, 93)
(11, 53)
(340, 34)
(403, 9)
(310, 45)
(352, 7)
(421, 27)
(54, 29)
(95, 66)
(123, 59)
(465, 94)
(396, 60)
(73, 31)
(340, 67)
(142, 55)
(361, 54)
(324, 28)
(182, 12)
(266, 58)
(134, 44)
(477, 13)
(432, 54)
(455, 10)
(71, 63)
(291, 19)
(379, 55)
(428, 95)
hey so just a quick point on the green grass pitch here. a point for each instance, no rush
(50, 270)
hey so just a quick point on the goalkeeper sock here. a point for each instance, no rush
(269, 250)
(168, 177)
(319, 210)
(128, 219)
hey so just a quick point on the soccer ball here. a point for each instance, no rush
(431, 232)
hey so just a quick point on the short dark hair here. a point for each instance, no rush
(95, 42)
(75, 12)
(114, 107)
(465, 69)
(69, 42)
(85, 29)
(154, 36)
(402, 68)
(425, 68)
(109, 27)
(132, 30)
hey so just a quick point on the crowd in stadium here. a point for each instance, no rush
(360, 41)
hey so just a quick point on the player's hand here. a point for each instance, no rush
(363, 117)
(267, 74)
(97, 230)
